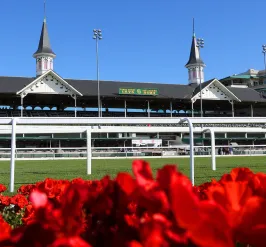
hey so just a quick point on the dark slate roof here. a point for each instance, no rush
(44, 43)
(111, 88)
(194, 57)
(244, 94)
(14, 84)
(259, 87)
(107, 88)
(247, 94)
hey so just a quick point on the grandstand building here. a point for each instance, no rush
(22, 96)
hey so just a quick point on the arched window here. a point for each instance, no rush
(194, 73)
(40, 64)
(45, 64)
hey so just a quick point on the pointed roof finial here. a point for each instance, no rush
(44, 10)
(194, 27)
(44, 43)
(194, 57)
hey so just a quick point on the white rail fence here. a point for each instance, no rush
(36, 125)
(55, 153)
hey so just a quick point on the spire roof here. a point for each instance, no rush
(194, 57)
(44, 43)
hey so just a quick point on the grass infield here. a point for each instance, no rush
(27, 172)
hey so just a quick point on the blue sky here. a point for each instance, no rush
(143, 40)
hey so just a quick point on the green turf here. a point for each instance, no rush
(32, 171)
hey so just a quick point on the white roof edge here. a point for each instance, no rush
(224, 87)
(56, 75)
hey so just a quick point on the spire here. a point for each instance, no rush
(194, 57)
(44, 43)
(44, 55)
(194, 28)
(195, 65)
(44, 10)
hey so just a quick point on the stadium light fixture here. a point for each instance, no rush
(264, 54)
(200, 45)
(97, 35)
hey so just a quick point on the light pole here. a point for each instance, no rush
(200, 44)
(97, 35)
(264, 54)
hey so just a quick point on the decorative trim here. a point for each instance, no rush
(53, 77)
(220, 88)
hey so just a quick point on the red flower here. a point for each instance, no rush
(206, 222)
(149, 193)
(29, 214)
(38, 199)
(2, 188)
(53, 188)
(251, 224)
(232, 196)
(26, 189)
(4, 200)
(126, 183)
(143, 174)
(140, 212)
(70, 242)
(238, 174)
(5, 229)
(19, 200)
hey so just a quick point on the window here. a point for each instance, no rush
(194, 74)
(45, 64)
(40, 64)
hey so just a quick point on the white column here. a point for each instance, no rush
(171, 109)
(12, 156)
(233, 110)
(21, 105)
(125, 108)
(251, 110)
(101, 111)
(75, 98)
(88, 151)
(192, 108)
(149, 114)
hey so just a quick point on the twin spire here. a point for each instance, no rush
(45, 55)
(44, 47)
(195, 65)
(194, 57)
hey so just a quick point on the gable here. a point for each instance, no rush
(214, 93)
(214, 90)
(49, 83)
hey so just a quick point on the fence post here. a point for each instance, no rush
(13, 155)
(212, 147)
(88, 132)
(191, 142)
(213, 150)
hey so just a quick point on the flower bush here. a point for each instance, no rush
(137, 211)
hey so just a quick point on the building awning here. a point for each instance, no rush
(239, 77)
